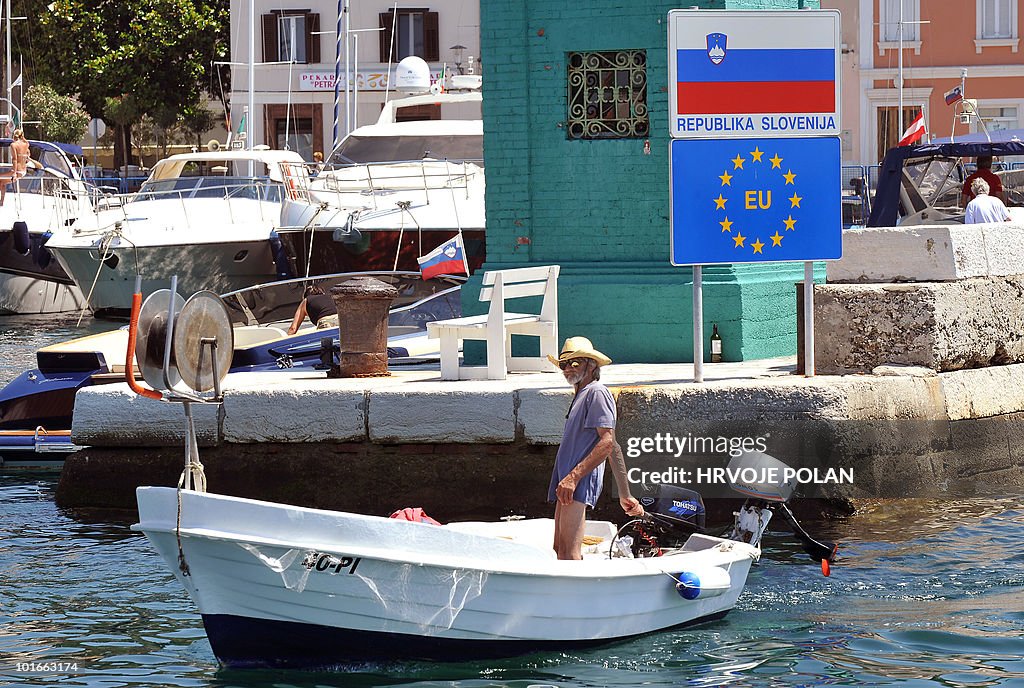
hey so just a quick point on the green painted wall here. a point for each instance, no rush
(600, 208)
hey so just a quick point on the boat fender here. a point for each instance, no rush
(704, 583)
(280, 256)
(22, 242)
(42, 256)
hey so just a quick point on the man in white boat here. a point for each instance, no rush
(587, 442)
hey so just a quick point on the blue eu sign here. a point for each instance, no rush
(755, 200)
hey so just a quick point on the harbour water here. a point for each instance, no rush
(926, 593)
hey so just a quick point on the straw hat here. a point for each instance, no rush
(580, 347)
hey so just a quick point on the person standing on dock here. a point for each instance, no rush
(587, 442)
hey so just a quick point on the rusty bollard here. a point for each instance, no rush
(363, 304)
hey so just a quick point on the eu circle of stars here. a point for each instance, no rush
(753, 200)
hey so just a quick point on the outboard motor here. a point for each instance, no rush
(676, 507)
(672, 514)
(768, 484)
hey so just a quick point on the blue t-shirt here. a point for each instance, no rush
(593, 407)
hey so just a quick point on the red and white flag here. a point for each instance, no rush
(915, 132)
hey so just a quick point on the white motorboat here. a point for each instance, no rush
(46, 201)
(406, 187)
(207, 217)
(280, 585)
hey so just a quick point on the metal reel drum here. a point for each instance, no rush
(203, 317)
(151, 340)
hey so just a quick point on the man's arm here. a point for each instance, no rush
(300, 315)
(598, 455)
(617, 462)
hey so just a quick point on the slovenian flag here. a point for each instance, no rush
(447, 259)
(954, 95)
(745, 75)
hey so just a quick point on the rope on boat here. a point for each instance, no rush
(193, 477)
(403, 206)
(309, 258)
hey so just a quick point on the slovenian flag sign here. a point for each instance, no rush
(749, 72)
(446, 259)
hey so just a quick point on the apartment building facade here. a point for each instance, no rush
(296, 52)
(942, 41)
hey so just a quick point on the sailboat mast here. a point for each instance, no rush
(252, 79)
(7, 80)
(899, 72)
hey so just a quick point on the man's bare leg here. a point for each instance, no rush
(570, 520)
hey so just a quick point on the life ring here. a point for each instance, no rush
(22, 241)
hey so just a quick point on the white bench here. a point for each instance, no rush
(497, 326)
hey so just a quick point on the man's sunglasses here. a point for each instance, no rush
(571, 363)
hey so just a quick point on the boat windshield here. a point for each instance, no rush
(938, 179)
(256, 189)
(55, 161)
(276, 301)
(364, 149)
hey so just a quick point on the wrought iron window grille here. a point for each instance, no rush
(607, 95)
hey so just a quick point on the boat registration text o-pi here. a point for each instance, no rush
(330, 563)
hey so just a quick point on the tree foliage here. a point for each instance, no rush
(61, 118)
(128, 58)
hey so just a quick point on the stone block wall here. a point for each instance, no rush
(942, 325)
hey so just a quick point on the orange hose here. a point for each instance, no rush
(129, 374)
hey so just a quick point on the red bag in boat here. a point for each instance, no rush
(414, 514)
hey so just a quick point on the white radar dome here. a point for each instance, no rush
(412, 75)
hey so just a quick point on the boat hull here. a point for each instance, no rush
(21, 295)
(247, 642)
(377, 249)
(396, 588)
(218, 267)
(34, 261)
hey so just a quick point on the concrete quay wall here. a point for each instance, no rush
(466, 448)
(941, 325)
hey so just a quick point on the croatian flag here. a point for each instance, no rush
(954, 95)
(751, 73)
(915, 132)
(447, 259)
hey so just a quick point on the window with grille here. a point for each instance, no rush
(997, 18)
(607, 95)
(889, 20)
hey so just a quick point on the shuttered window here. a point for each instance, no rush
(412, 32)
(889, 20)
(998, 18)
(291, 35)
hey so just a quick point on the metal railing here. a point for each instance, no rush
(366, 183)
(261, 193)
